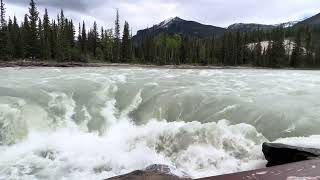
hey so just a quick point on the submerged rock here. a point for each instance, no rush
(153, 172)
(279, 154)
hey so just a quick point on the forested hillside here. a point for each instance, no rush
(43, 38)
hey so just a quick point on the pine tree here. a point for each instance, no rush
(71, 34)
(41, 39)
(102, 33)
(258, 54)
(54, 40)
(237, 48)
(79, 36)
(212, 50)
(107, 45)
(223, 50)
(19, 45)
(34, 34)
(95, 37)
(46, 36)
(117, 43)
(3, 31)
(60, 49)
(309, 57)
(277, 49)
(83, 38)
(297, 52)
(126, 53)
(3, 22)
(17, 39)
(79, 32)
(183, 51)
(9, 49)
(26, 37)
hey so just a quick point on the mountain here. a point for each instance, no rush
(242, 27)
(288, 24)
(183, 27)
(180, 26)
(312, 21)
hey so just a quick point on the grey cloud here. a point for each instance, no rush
(145, 13)
(77, 5)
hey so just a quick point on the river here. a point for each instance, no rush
(95, 123)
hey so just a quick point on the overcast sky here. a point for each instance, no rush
(144, 13)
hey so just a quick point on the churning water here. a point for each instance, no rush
(94, 123)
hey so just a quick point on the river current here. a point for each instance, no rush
(95, 123)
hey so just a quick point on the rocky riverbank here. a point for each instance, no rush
(153, 172)
(288, 163)
(36, 63)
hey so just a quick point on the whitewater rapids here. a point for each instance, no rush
(95, 123)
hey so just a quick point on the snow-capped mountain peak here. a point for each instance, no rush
(288, 24)
(166, 23)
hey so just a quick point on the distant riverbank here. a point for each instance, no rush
(28, 63)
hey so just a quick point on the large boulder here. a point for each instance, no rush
(153, 172)
(279, 154)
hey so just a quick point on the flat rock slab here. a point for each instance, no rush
(305, 170)
(152, 172)
(143, 175)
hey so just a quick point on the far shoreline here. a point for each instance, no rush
(35, 64)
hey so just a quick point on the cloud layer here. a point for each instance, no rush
(145, 13)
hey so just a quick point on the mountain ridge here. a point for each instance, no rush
(311, 21)
(177, 25)
(180, 26)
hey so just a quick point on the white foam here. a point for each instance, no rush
(121, 127)
(195, 148)
(307, 142)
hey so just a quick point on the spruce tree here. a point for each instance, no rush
(212, 50)
(107, 45)
(60, 49)
(26, 37)
(95, 37)
(102, 33)
(9, 48)
(34, 34)
(117, 43)
(268, 56)
(84, 38)
(126, 54)
(237, 48)
(3, 22)
(41, 39)
(71, 34)
(277, 49)
(297, 52)
(17, 39)
(3, 31)
(309, 56)
(183, 51)
(54, 40)
(46, 36)
(258, 54)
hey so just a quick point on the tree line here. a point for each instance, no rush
(42, 38)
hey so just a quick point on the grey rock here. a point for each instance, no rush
(279, 154)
